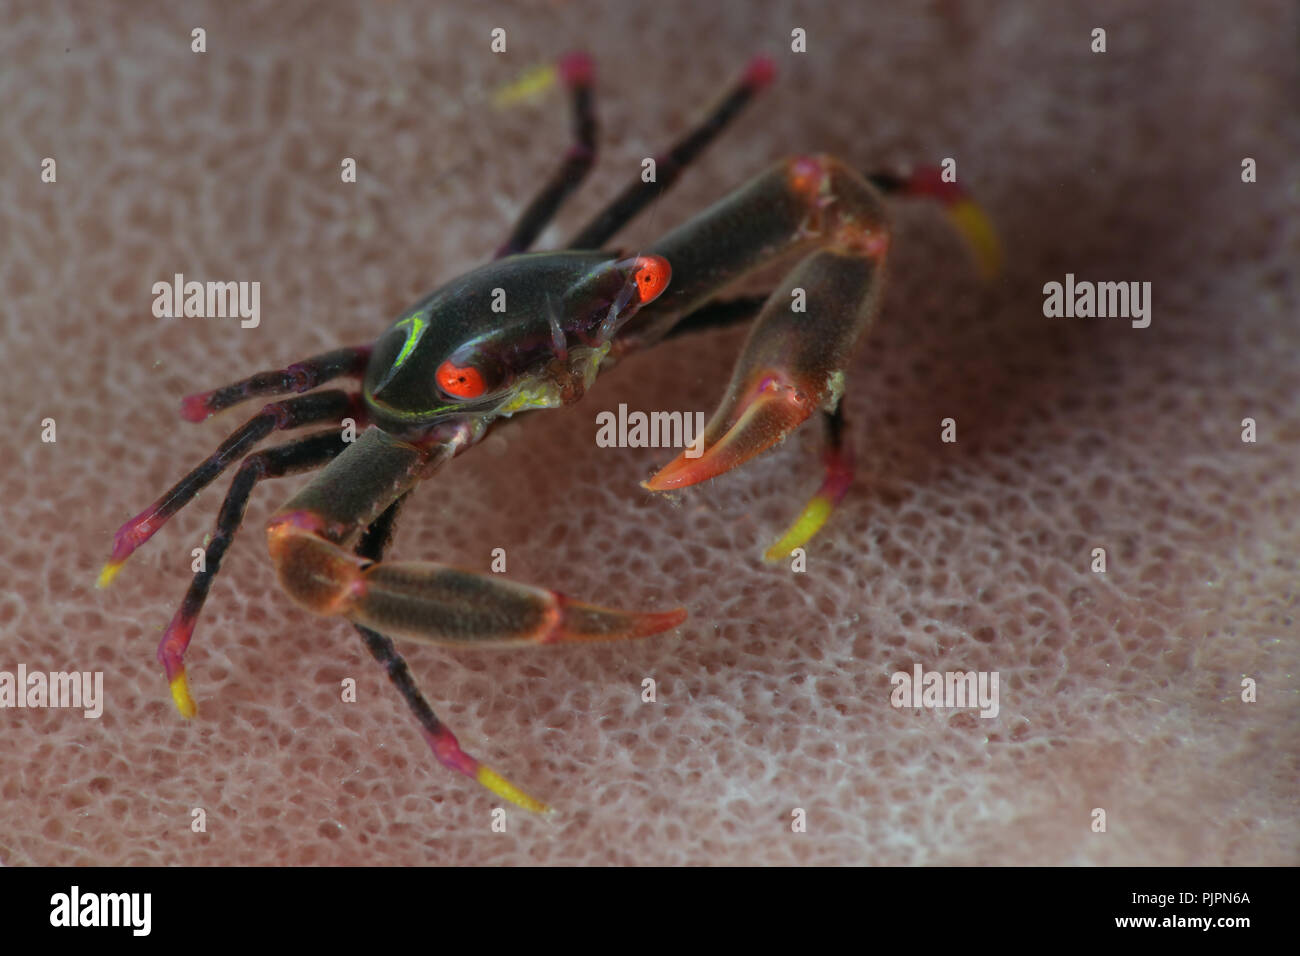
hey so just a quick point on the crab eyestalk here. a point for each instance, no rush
(648, 277)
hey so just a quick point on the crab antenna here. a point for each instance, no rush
(616, 315)
(558, 343)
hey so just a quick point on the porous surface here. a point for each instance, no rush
(1119, 691)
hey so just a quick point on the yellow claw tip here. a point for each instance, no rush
(975, 225)
(181, 695)
(506, 790)
(108, 573)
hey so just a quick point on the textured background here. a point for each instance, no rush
(1118, 691)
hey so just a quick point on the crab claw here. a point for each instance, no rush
(791, 366)
(794, 361)
(437, 604)
(750, 420)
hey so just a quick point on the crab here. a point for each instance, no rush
(451, 367)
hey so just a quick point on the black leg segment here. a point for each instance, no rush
(576, 70)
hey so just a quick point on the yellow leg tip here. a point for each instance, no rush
(181, 695)
(505, 789)
(978, 230)
(531, 84)
(808, 523)
(109, 572)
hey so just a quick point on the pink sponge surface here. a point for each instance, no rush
(1119, 691)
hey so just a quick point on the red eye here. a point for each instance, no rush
(651, 275)
(460, 381)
